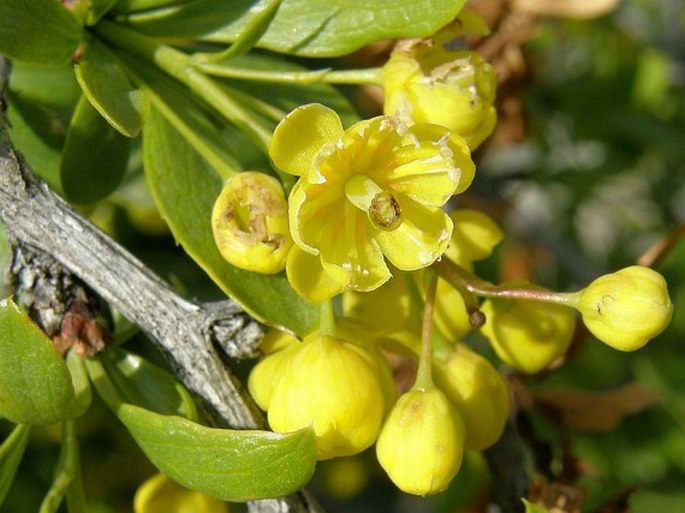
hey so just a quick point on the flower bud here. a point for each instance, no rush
(627, 308)
(478, 391)
(425, 83)
(421, 444)
(250, 223)
(330, 384)
(159, 494)
(528, 335)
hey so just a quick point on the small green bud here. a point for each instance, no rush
(331, 385)
(528, 335)
(421, 444)
(250, 223)
(627, 308)
(478, 391)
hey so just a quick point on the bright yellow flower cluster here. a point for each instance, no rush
(369, 218)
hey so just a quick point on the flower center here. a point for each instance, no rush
(381, 206)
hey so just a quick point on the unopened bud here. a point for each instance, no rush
(422, 442)
(627, 308)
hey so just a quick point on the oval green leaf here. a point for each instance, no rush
(311, 28)
(108, 88)
(185, 188)
(11, 452)
(41, 31)
(228, 464)
(95, 156)
(146, 385)
(35, 384)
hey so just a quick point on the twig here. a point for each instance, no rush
(184, 331)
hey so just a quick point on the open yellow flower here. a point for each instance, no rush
(371, 192)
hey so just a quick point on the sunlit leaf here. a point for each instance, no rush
(533, 508)
(315, 28)
(109, 89)
(227, 464)
(35, 384)
(41, 31)
(95, 156)
(185, 188)
(11, 452)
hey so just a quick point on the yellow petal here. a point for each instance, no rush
(421, 238)
(308, 278)
(347, 246)
(474, 237)
(301, 134)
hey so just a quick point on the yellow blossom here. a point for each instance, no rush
(474, 237)
(333, 386)
(422, 442)
(159, 494)
(478, 391)
(425, 82)
(371, 192)
(528, 335)
(250, 223)
(627, 308)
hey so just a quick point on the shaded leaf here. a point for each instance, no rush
(41, 31)
(185, 188)
(35, 384)
(146, 385)
(11, 452)
(98, 8)
(313, 28)
(95, 156)
(188, 117)
(227, 464)
(109, 90)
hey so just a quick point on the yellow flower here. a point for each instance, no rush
(627, 308)
(478, 391)
(371, 192)
(474, 237)
(528, 335)
(425, 82)
(250, 223)
(159, 494)
(333, 386)
(422, 442)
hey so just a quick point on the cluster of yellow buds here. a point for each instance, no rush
(368, 220)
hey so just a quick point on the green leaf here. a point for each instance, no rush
(311, 28)
(38, 132)
(98, 8)
(146, 385)
(185, 187)
(177, 105)
(41, 31)
(11, 452)
(109, 89)
(95, 156)
(287, 96)
(79, 378)
(127, 6)
(227, 464)
(533, 508)
(35, 384)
